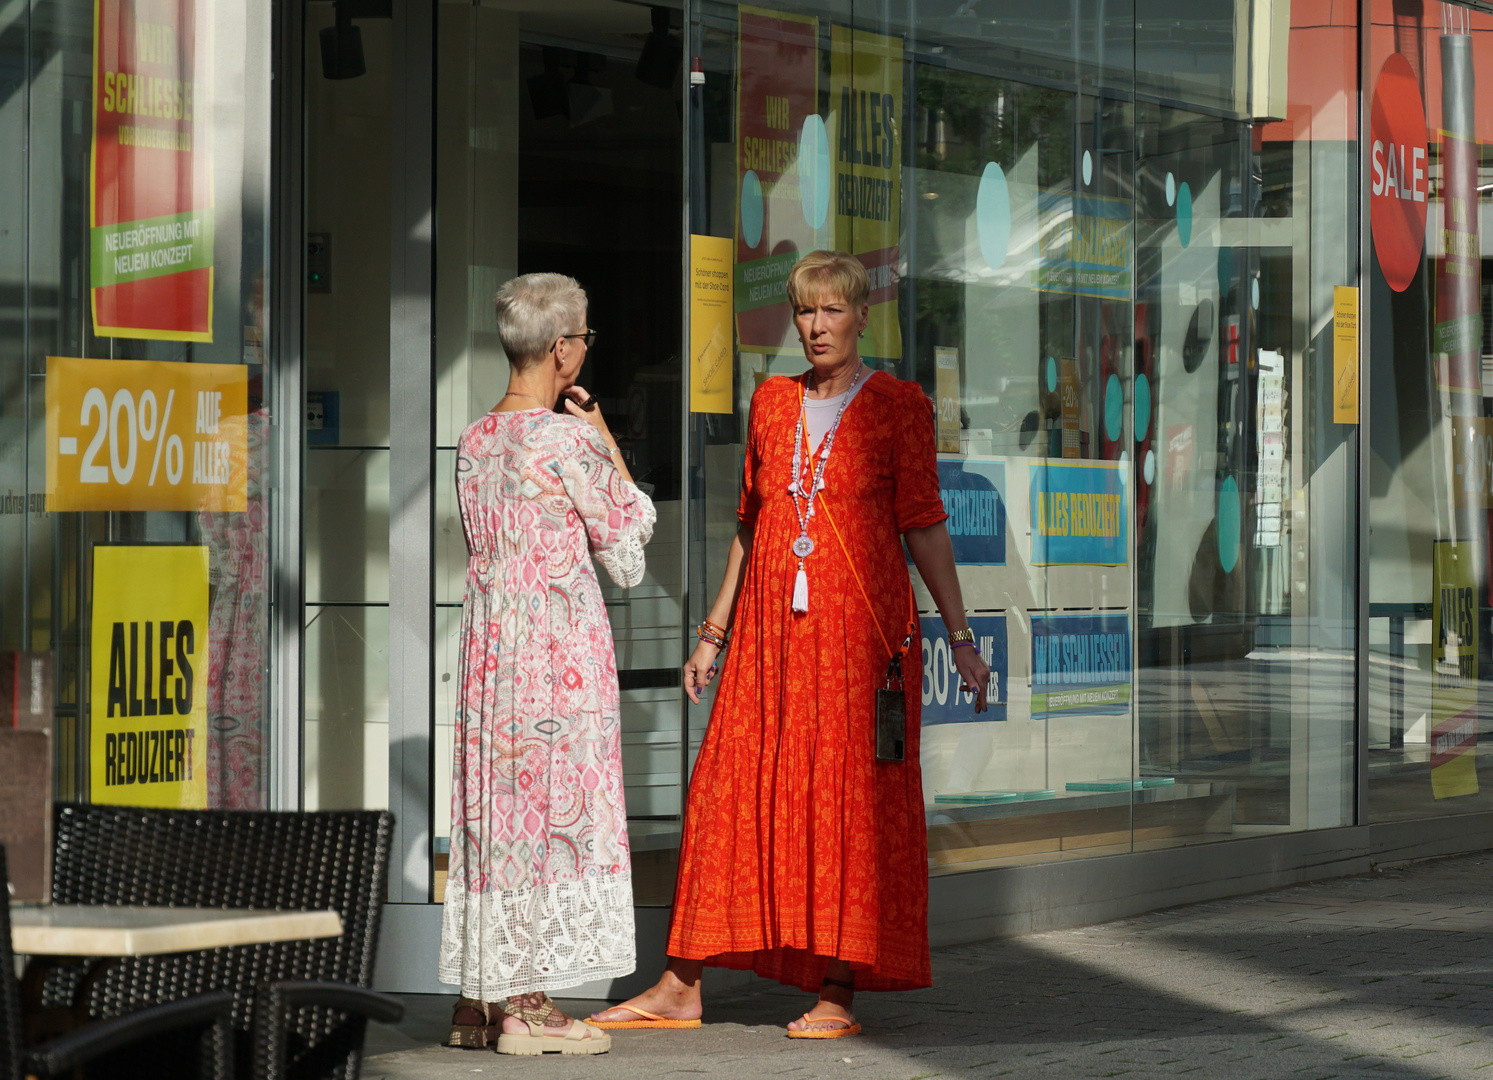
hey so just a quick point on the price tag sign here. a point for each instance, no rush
(1472, 461)
(146, 435)
(946, 363)
(1072, 439)
(943, 701)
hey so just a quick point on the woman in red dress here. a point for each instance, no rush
(804, 857)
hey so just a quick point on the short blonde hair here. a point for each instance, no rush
(534, 311)
(822, 274)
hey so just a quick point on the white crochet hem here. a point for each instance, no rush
(544, 937)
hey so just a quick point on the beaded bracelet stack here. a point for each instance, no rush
(712, 634)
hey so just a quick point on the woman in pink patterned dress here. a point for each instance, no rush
(539, 893)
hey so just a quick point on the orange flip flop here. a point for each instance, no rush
(847, 1027)
(649, 1020)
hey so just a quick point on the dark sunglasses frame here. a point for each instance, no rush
(589, 335)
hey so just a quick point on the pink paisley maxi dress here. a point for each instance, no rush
(539, 891)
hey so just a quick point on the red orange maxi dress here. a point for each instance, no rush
(798, 844)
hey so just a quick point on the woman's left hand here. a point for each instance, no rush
(974, 674)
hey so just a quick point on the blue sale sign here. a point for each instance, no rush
(974, 496)
(1084, 248)
(1080, 665)
(1079, 514)
(943, 701)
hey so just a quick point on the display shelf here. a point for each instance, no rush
(944, 813)
(1090, 822)
(989, 798)
(1399, 762)
(1143, 784)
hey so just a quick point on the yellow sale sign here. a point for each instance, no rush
(866, 130)
(148, 709)
(1454, 679)
(146, 435)
(710, 307)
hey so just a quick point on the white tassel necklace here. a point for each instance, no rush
(803, 502)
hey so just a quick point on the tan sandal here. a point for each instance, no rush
(475, 1025)
(582, 1038)
(532, 1013)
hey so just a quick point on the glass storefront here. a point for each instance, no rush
(1429, 604)
(1110, 265)
(1132, 251)
(135, 421)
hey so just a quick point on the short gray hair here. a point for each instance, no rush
(533, 311)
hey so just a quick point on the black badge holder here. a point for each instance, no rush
(891, 712)
(891, 700)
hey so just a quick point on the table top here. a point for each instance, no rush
(100, 930)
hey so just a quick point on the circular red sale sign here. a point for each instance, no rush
(1399, 172)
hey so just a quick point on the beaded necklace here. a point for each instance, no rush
(803, 502)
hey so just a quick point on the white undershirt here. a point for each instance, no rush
(820, 414)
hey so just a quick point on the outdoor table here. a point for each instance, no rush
(51, 934)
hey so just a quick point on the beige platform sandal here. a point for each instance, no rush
(582, 1038)
(475, 1025)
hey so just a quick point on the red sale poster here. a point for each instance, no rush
(151, 223)
(776, 101)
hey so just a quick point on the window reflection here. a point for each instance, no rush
(1429, 605)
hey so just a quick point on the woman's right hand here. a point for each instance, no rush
(699, 669)
(574, 395)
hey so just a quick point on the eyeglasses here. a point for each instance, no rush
(589, 336)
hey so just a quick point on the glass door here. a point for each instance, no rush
(559, 148)
(345, 742)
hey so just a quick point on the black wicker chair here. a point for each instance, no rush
(202, 1022)
(224, 858)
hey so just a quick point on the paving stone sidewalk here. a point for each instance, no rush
(1385, 975)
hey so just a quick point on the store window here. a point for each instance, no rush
(1109, 248)
(135, 538)
(966, 168)
(1429, 493)
(1245, 441)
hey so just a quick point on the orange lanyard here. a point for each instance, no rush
(912, 606)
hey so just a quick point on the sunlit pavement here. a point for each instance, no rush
(1385, 975)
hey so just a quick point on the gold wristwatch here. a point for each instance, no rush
(956, 636)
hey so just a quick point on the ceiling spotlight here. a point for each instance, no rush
(549, 93)
(342, 46)
(662, 52)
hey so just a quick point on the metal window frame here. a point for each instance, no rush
(1361, 507)
(412, 447)
(287, 403)
(412, 430)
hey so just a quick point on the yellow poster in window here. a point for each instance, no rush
(866, 129)
(146, 435)
(710, 308)
(147, 727)
(1454, 685)
(1344, 354)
